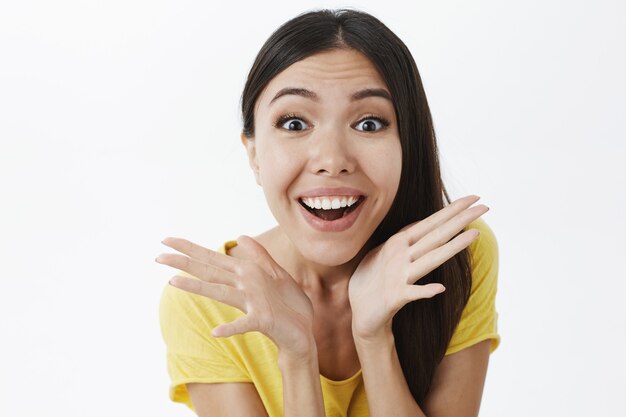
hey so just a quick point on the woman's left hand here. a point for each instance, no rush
(383, 282)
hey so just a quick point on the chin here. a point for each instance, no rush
(329, 253)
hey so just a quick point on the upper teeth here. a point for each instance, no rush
(328, 203)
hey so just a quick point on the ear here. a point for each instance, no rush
(250, 146)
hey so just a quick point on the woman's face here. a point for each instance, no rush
(326, 136)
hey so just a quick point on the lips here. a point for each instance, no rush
(332, 191)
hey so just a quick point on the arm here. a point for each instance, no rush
(302, 392)
(403, 259)
(226, 400)
(302, 389)
(457, 384)
(387, 391)
(275, 305)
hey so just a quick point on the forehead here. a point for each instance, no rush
(335, 72)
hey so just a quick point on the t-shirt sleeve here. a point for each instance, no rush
(479, 320)
(193, 354)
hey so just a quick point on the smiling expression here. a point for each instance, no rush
(326, 137)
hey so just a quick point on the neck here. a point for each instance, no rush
(329, 282)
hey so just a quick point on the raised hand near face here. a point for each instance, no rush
(383, 282)
(273, 302)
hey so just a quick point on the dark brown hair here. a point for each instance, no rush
(422, 329)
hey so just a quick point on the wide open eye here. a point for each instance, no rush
(371, 124)
(292, 123)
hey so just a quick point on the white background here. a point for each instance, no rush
(119, 126)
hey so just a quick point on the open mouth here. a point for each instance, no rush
(331, 214)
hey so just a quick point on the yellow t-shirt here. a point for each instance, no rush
(193, 355)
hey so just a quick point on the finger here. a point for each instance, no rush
(427, 263)
(417, 292)
(219, 292)
(257, 253)
(252, 248)
(201, 253)
(200, 270)
(421, 228)
(442, 234)
(239, 326)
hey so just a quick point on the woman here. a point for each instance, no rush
(366, 298)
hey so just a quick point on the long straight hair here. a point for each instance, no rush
(423, 328)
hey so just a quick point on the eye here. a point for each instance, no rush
(291, 122)
(371, 124)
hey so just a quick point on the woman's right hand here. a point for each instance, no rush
(274, 303)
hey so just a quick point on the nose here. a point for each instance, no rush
(330, 154)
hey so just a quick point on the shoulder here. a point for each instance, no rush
(484, 249)
(179, 307)
(271, 240)
(483, 258)
(479, 318)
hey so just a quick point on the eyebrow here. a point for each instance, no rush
(371, 92)
(359, 95)
(303, 92)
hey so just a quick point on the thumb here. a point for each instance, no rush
(416, 292)
(239, 326)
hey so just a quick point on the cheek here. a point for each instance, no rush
(386, 168)
(278, 167)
